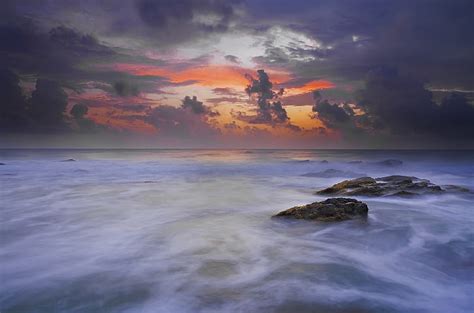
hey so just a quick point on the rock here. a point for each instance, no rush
(331, 173)
(2, 163)
(355, 162)
(330, 210)
(395, 185)
(68, 160)
(389, 162)
(454, 188)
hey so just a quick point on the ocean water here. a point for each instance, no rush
(191, 231)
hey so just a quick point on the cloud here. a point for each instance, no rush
(218, 100)
(56, 54)
(333, 115)
(232, 59)
(404, 106)
(43, 112)
(78, 111)
(180, 123)
(82, 124)
(400, 106)
(355, 36)
(125, 89)
(196, 106)
(48, 103)
(268, 111)
(13, 104)
(225, 91)
(77, 42)
(187, 19)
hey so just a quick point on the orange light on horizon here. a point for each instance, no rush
(112, 118)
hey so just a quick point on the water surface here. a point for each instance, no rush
(190, 231)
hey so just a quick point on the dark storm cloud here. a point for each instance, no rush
(268, 111)
(340, 117)
(78, 43)
(404, 106)
(67, 55)
(397, 105)
(48, 103)
(62, 54)
(13, 104)
(430, 40)
(78, 111)
(57, 53)
(43, 111)
(125, 89)
(82, 124)
(332, 115)
(269, 108)
(196, 106)
(163, 13)
(158, 23)
(186, 20)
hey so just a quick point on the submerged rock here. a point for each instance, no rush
(330, 210)
(389, 162)
(68, 160)
(395, 185)
(331, 173)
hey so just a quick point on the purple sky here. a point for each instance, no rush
(237, 74)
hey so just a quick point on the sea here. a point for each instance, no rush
(163, 230)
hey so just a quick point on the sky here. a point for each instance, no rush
(237, 74)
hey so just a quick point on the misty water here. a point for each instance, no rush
(191, 231)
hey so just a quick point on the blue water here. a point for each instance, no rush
(190, 231)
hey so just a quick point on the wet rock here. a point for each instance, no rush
(330, 210)
(68, 160)
(389, 162)
(395, 185)
(331, 173)
(454, 188)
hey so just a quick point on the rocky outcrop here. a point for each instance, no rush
(330, 210)
(395, 185)
(331, 173)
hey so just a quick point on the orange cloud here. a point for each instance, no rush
(310, 86)
(116, 119)
(206, 75)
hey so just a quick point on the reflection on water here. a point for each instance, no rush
(190, 231)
